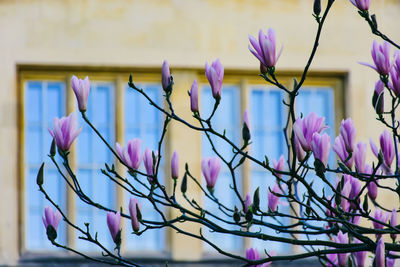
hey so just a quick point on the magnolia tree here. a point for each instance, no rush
(339, 226)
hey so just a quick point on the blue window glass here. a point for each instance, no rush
(91, 154)
(144, 122)
(267, 119)
(44, 100)
(226, 118)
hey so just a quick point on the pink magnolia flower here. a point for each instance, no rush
(133, 206)
(340, 149)
(380, 253)
(342, 257)
(394, 83)
(194, 97)
(380, 217)
(131, 155)
(360, 255)
(320, 146)
(348, 132)
(344, 204)
(359, 156)
(386, 142)
(114, 224)
(252, 254)
(51, 217)
(393, 222)
(265, 48)
(175, 165)
(332, 260)
(81, 89)
(381, 57)
(378, 97)
(273, 200)
(64, 132)
(149, 161)
(247, 202)
(304, 129)
(361, 4)
(210, 168)
(371, 186)
(215, 76)
(279, 165)
(300, 153)
(165, 75)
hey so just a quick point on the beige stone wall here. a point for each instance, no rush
(186, 32)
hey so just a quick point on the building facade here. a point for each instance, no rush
(46, 42)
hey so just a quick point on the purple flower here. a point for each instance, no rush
(374, 148)
(304, 128)
(64, 132)
(359, 156)
(332, 260)
(252, 254)
(273, 200)
(210, 168)
(320, 147)
(215, 75)
(361, 4)
(386, 142)
(380, 254)
(394, 83)
(279, 165)
(149, 163)
(380, 217)
(81, 89)
(114, 224)
(348, 132)
(165, 75)
(355, 190)
(131, 155)
(372, 186)
(175, 165)
(390, 262)
(133, 206)
(340, 149)
(381, 56)
(194, 97)
(265, 48)
(359, 255)
(247, 202)
(378, 98)
(300, 153)
(393, 222)
(344, 204)
(51, 218)
(343, 239)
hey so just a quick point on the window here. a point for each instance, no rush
(121, 114)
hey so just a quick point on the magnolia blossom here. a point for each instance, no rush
(175, 165)
(247, 202)
(332, 260)
(344, 204)
(359, 255)
(81, 89)
(378, 97)
(51, 217)
(342, 257)
(194, 97)
(386, 142)
(210, 168)
(265, 48)
(114, 224)
(381, 57)
(64, 132)
(380, 217)
(252, 254)
(393, 222)
(394, 83)
(215, 76)
(149, 161)
(371, 186)
(340, 149)
(273, 200)
(359, 156)
(279, 165)
(361, 4)
(304, 128)
(165, 75)
(300, 153)
(321, 144)
(348, 132)
(380, 253)
(131, 154)
(133, 206)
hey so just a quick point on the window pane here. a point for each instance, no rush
(144, 122)
(227, 118)
(44, 101)
(267, 118)
(91, 155)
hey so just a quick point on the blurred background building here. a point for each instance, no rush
(45, 42)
